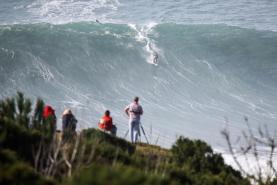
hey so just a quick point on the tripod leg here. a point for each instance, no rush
(126, 133)
(144, 134)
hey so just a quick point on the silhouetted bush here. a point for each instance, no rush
(116, 175)
(14, 172)
(22, 132)
(194, 152)
(205, 166)
(18, 138)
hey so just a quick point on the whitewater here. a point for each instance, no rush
(216, 62)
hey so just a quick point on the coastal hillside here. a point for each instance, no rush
(31, 153)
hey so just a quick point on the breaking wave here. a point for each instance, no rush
(204, 74)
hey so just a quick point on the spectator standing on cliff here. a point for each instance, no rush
(134, 111)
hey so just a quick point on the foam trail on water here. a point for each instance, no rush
(150, 47)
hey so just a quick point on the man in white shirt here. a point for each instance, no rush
(134, 111)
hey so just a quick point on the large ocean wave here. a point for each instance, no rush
(207, 76)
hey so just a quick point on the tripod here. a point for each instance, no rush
(139, 132)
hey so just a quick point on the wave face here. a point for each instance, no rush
(207, 76)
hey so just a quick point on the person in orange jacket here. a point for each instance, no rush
(106, 123)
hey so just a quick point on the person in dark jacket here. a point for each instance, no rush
(69, 123)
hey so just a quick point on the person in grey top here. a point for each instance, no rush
(134, 111)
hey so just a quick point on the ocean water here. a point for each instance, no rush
(217, 62)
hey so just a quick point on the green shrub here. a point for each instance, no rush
(194, 152)
(16, 109)
(180, 176)
(14, 172)
(116, 175)
(18, 138)
(205, 166)
(19, 130)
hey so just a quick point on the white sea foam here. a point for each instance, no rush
(63, 11)
(11, 53)
(42, 68)
(150, 48)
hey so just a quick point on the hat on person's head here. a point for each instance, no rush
(67, 111)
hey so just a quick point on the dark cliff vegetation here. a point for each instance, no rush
(31, 153)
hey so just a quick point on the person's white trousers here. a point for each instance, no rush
(134, 130)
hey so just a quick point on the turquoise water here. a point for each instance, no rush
(217, 62)
(256, 14)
